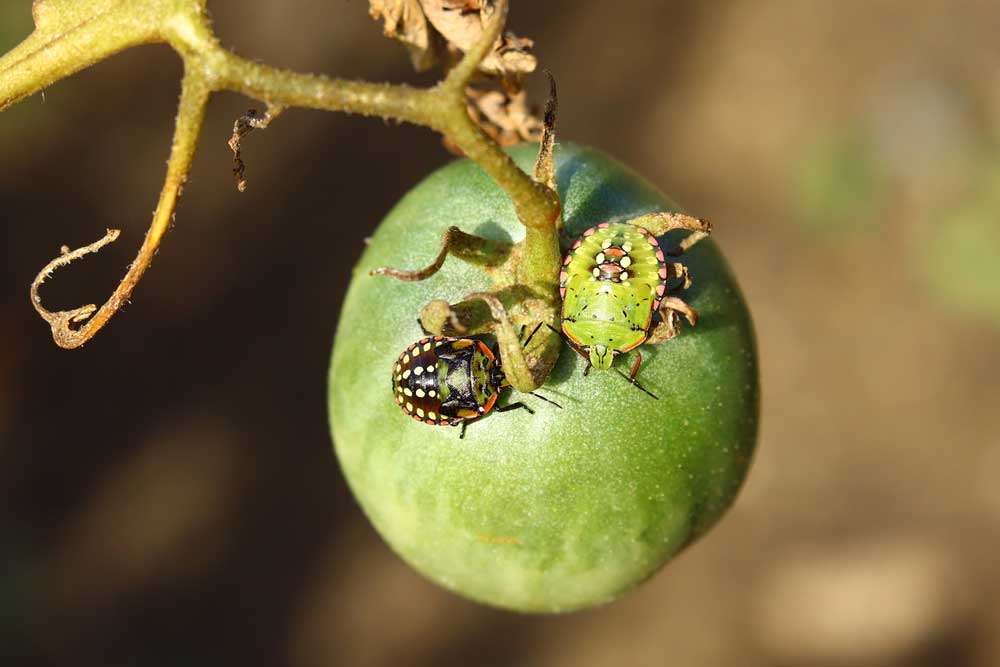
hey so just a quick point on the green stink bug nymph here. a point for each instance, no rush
(613, 280)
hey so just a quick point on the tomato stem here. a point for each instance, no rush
(69, 37)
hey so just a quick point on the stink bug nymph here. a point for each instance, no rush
(450, 381)
(612, 281)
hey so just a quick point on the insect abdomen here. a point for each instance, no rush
(612, 281)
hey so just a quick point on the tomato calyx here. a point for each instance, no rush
(524, 290)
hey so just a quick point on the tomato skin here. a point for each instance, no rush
(562, 509)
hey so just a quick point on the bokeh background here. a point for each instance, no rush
(168, 495)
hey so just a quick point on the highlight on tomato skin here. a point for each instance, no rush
(564, 508)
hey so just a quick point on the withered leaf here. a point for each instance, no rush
(425, 25)
(405, 21)
(466, 5)
(439, 32)
(461, 23)
(504, 116)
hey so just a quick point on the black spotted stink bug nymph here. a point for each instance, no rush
(450, 381)
(614, 278)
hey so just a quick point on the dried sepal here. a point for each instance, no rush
(505, 117)
(461, 24)
(404, 20)
(545, 165)
(438, 32)
(441, 32)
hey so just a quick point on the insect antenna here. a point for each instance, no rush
(547, 400)
(516, 406)
(636, 383)
(532, 334)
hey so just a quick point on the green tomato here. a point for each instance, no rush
(561, 509)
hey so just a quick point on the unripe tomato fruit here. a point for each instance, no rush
(561, 509)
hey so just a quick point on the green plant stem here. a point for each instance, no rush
(73, 34)
(190, 114)
(441, 108)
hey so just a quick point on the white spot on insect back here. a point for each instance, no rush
(409, 406)
(431, 369)
(406, 373)
(408, 392)
(418, 370)
(627, 247)
(420, 412)
(432, 393)
(626, 262)
(432, 415)
(420, 393)
(428, 346)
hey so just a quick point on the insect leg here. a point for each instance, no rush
(635, 366)
(516, 406)
(547, 400)
(532, 334)
(636, 384)
(572, 347)
(678, 270)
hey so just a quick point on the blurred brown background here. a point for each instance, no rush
(168, 496)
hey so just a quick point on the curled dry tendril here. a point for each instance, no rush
(67, 320)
